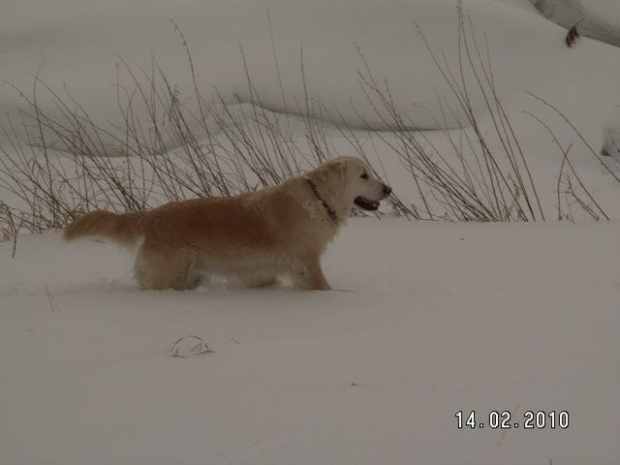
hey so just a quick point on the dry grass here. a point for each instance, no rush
(171, 154)
(476, 181)
(190, 345)
(167, 150)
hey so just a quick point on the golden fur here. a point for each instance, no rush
(252, 238)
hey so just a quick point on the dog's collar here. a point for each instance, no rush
(330, 211)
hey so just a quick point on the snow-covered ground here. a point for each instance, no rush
(80, 48)
(599, 19)
(426, 319)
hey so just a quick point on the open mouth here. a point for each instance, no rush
(366, 204)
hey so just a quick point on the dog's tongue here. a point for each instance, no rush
(367, 204)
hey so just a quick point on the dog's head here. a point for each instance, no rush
(352, 181)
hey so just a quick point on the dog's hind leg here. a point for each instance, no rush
(166, 268)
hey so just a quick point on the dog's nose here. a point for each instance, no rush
(387, 190)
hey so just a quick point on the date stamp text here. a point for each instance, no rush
(505, 420)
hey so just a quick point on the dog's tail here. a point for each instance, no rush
(124, 229)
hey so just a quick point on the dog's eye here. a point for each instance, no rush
(364, 176)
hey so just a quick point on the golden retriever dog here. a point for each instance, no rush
(251, 239)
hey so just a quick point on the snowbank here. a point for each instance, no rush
(599, 19)
(80, 46)
(428, 320)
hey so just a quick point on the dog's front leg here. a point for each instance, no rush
(309, 276)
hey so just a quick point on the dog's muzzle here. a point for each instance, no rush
(372, 205)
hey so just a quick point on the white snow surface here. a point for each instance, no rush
(426, 319)
(598, 19)
(78, 46)
(602, 10)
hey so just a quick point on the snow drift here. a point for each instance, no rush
(83, 49)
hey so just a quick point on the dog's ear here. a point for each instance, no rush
(339, 167)
(331, 169)
(332, 176)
